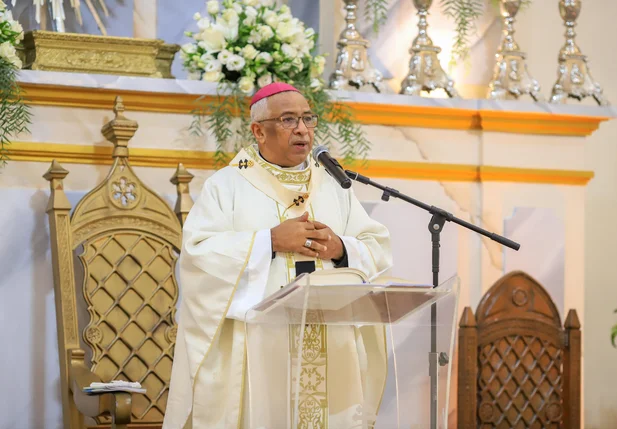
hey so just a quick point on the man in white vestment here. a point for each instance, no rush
(270, 215)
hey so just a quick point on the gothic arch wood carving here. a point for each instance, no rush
(518, 368)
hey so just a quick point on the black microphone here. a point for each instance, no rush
(334, 169)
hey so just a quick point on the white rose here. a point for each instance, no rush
(298, 64)
(267, 3)
(213, 7)
(17, 28)
(246, 84)
(231, 16)
(277, 56)
(194, 75)
(237, 8)
(7, 51)
(206, 57)
(213, 65)
(286, 31)
(189, 48)
(264, 80)
(316, 84)
(213, 38)
(309, 32)
(251, 15)
(265, 32)
(224, 56)
(212, 76)
(319, 64)
(285, 67)
(284, 9)
(197, 16)
(270, 18)
(249, 52)
(235, 63)
(254, 37)
(203, 23)
(285, 17)
(2, 5)
(264, 57)
(289, 51)
(251, 2)
(230, 31)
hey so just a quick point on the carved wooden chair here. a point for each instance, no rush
(517, 367)
(118, 323)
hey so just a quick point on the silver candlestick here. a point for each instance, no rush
(425, 71)
(511, 79)
(353, 67)
(574, 79)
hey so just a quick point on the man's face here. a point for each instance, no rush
(282, 146)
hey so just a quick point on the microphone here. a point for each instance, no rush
(334, 169)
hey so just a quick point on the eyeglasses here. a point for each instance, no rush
(291, 122)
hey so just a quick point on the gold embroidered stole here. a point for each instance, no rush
(292, 190)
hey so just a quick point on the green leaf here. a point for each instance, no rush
(464, 13)
(15, 115)
(377, 12)
(614, 335)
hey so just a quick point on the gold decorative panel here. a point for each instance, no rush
(131, 295)
(87, 53)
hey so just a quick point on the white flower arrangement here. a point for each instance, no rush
(252, 43)
(14, 113)
(243, 45)
(11, 34)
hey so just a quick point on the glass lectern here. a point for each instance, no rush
(346, 355)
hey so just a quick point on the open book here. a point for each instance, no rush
(114, 386)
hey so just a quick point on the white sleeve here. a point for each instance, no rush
(252, 286)
(367, 241)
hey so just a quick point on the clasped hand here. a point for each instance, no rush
(292, 235)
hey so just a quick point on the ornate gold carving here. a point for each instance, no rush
(100, 225)
(171, 333)
(131, 293)
(46, 50)
(66, 278)
(123, 193)
(126, 201)
(165, 58)
(184, 202)
(130, 238)
(94, 335)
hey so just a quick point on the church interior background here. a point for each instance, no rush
(540, 173)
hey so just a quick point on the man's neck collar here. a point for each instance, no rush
(300, 166)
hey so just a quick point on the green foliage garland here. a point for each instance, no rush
(14, 114)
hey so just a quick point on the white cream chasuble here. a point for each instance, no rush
(226, 267)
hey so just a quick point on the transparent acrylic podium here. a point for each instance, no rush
(364, 363)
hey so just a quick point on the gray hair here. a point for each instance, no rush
(259, 110)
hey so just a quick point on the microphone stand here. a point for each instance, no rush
(435, 226)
